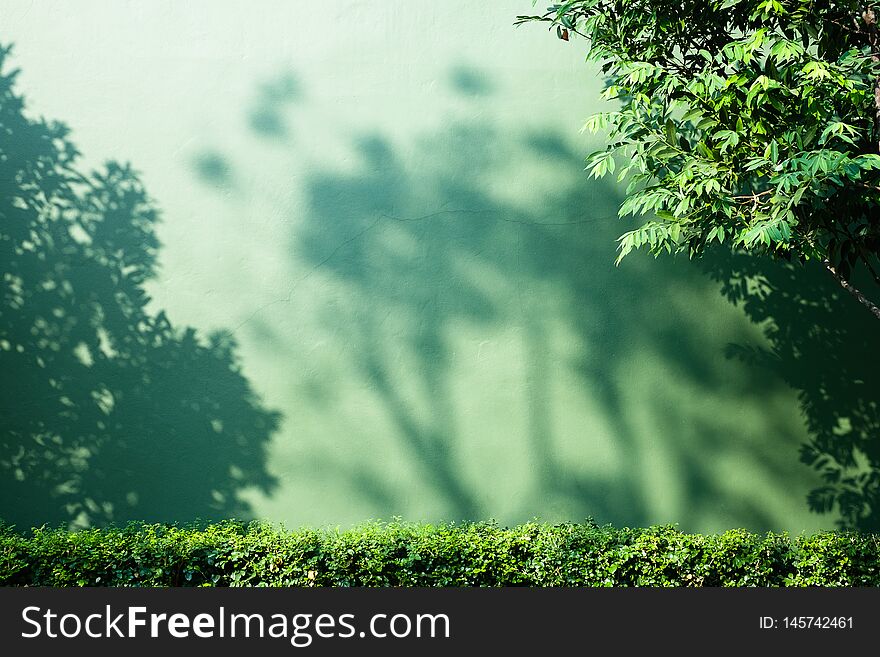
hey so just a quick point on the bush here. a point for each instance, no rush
(400, 554)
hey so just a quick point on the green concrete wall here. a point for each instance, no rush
(383, 204)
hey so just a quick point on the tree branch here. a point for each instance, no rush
(849, 287)
(870, 268)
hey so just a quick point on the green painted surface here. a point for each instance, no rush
(384, 204)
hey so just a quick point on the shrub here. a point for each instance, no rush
(401, 554)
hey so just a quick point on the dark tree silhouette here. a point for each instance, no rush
(108, 412)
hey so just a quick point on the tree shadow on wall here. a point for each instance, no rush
(827, 347)
(412, 248)
(109, 412)
(429, 246)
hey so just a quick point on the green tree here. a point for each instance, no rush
(752, 123)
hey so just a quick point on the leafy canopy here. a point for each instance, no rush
(746, 122)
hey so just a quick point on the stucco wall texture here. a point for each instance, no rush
(384, 205)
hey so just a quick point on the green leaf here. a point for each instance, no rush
(761, 95)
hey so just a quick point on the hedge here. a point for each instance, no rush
(399, 554)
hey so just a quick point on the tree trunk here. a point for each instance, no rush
(870, 18)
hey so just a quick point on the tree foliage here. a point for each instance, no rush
(750, 123)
